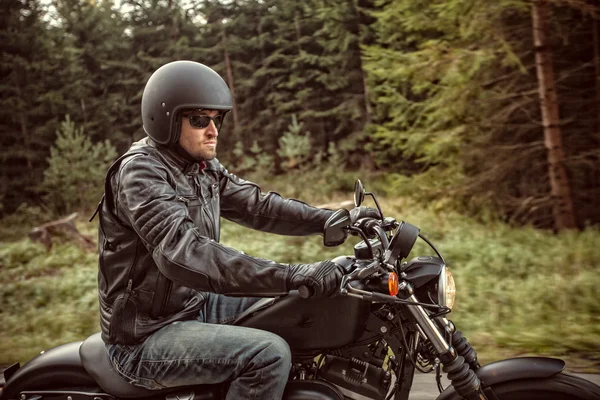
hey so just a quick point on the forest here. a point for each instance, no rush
(477, 118)
(442, 98)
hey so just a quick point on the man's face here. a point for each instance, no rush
(200, 143)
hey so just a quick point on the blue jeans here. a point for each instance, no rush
(206, 351)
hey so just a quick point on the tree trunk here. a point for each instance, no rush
(564, 216)
(297, 28)
(230, 81)
(261, 40)
(597, 67)
(367, 105)
(62, 227)
(25, 135)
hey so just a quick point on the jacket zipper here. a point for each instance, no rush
(211, 216)
(165, 299)
(212, 223)
(128, 293)
(130, 290)
(182, 199)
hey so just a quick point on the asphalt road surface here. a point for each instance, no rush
(425, 388)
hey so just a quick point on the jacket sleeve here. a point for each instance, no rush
(147, 201)
(243, 202)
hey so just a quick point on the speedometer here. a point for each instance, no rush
(402, 243)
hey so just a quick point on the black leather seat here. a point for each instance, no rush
(96, 362)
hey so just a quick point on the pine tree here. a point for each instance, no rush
(564, 215)
(76, 168)
(294, 145)
(343, 79)
(36, 72)
(456, 103)
(105, 83)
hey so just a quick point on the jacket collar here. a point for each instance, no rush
(185, 165)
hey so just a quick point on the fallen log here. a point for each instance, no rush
(61, 227)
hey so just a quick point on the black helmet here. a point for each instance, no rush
(177, 86)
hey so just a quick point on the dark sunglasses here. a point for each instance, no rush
(202, 121)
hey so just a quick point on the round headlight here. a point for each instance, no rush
(446, 288)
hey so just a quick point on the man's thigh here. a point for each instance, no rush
(194, 353)
(220, 309)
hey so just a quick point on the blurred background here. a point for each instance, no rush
(478, 121)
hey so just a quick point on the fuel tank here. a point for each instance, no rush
(310, 324)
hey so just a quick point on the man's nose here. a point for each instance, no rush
(212, 129)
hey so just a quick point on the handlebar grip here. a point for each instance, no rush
(306, 292)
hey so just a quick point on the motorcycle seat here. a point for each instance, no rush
(96, 362)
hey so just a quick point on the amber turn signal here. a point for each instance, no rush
(393, 283)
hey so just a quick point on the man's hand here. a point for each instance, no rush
(363, 212)
(322, 277)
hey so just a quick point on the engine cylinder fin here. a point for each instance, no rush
(357, 371)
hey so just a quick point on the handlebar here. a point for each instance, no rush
(355, 279)
(385, 262)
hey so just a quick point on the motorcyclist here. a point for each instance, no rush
(168, 289)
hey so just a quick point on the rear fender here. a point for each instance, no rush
(511, 369)
(57, 367)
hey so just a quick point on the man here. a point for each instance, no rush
(165, 282)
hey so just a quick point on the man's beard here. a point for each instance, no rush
(205, 155)
(200, 155)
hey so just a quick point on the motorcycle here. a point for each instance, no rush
(389, 319)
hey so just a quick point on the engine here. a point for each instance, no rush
(356, 379)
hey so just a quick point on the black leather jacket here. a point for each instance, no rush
(159, 240)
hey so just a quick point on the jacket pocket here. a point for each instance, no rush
(124, 317)
(194, 207)
(201, 212)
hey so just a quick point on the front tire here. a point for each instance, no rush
(558, 387)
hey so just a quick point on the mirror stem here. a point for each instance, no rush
(376, 203)
(364, 237)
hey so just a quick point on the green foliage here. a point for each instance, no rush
(253, 159)
(513, 285)
(294, 145)
(427, 73)
(17, 224)
(48, 298)
(36, 85)
(441, 91)
(516, 285)
(455, 104)
(76, 170)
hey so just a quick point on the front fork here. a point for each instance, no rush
(460, 362)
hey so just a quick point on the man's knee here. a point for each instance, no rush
(276, 350)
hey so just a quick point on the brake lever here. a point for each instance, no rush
(357, 274)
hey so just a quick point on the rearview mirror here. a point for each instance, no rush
(359, 193)
(335, 228)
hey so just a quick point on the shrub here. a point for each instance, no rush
(76, 169)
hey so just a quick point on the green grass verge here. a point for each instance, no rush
(519, 290)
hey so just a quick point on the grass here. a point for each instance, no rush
(520, 291)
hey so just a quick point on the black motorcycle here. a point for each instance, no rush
(389, 319)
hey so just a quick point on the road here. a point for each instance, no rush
(425, 388)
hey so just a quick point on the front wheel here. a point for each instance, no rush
(558, 387)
